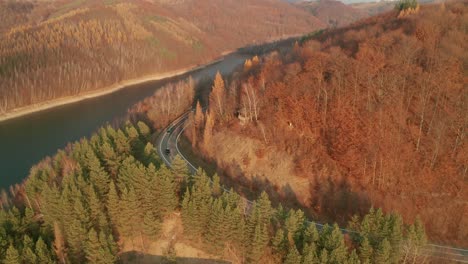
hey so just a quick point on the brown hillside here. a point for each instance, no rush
(53, 49)
(371, 115)
(333, 13)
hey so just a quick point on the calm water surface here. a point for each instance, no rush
(26, 140)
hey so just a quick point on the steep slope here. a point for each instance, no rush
(333, 13)
(54, 49)
(369, 115)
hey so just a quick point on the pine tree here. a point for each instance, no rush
(111, 160)
(278, 242)
(294, 224)
(95, 205)
(150, 155)
(258, 243)
(382, 255)
(263, 210)
(310, 254)
(151, 225)
(353, 258)
(82, 213)
(113, 205)
(28, 255)
(311, 234)
(395, 237)
(180, 171)
(335, 246)
(108, 248)
(97, 175)
(168, 199)
(213, 234)
(42, 252)
(93, 247)
(293, 256)
(323, 259)
(365, 251)
(144, 130)
(122, 145)
(12, 256)
(130, 213)
(76, 235)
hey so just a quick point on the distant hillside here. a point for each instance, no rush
(333, 13)
(52, 49)
(374, 8)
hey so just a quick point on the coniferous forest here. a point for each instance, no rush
(81, 205)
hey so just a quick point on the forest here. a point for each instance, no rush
(83, 204)
(371, 115)
(55, 49)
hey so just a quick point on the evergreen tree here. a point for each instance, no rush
(130, 213)
(42, 252)
(151, 225)
(323, 259)
(93, 247)
(111, 160)
(279, 243)
(353, 258)
(168, 199)
(12, 256)
(113, 205)
(395, 237)
(108, 248)
(76, 235)
(180, 170)
(258, 243)
(214, 235)
(310, 254)
(122, 145)
(144, 130)
(28, 255)
(97, 175)
(294, 225)
(335, 246)
(95, 205)
(293, 256)
(82, 213)
(150, 156)
(97, 250)
(382, 255)
(311, 234)
(365, 251)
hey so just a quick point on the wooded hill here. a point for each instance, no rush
(86, 202)
(52, 49)
(333, 13)
(370, 115)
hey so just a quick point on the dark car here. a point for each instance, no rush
(168, 151)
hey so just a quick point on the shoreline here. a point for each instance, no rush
(38, 107)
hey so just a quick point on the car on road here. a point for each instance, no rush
(169, 130)
(168, 151)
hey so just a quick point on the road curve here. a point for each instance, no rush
(170, 136)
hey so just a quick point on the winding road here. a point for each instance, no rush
(170, 136)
